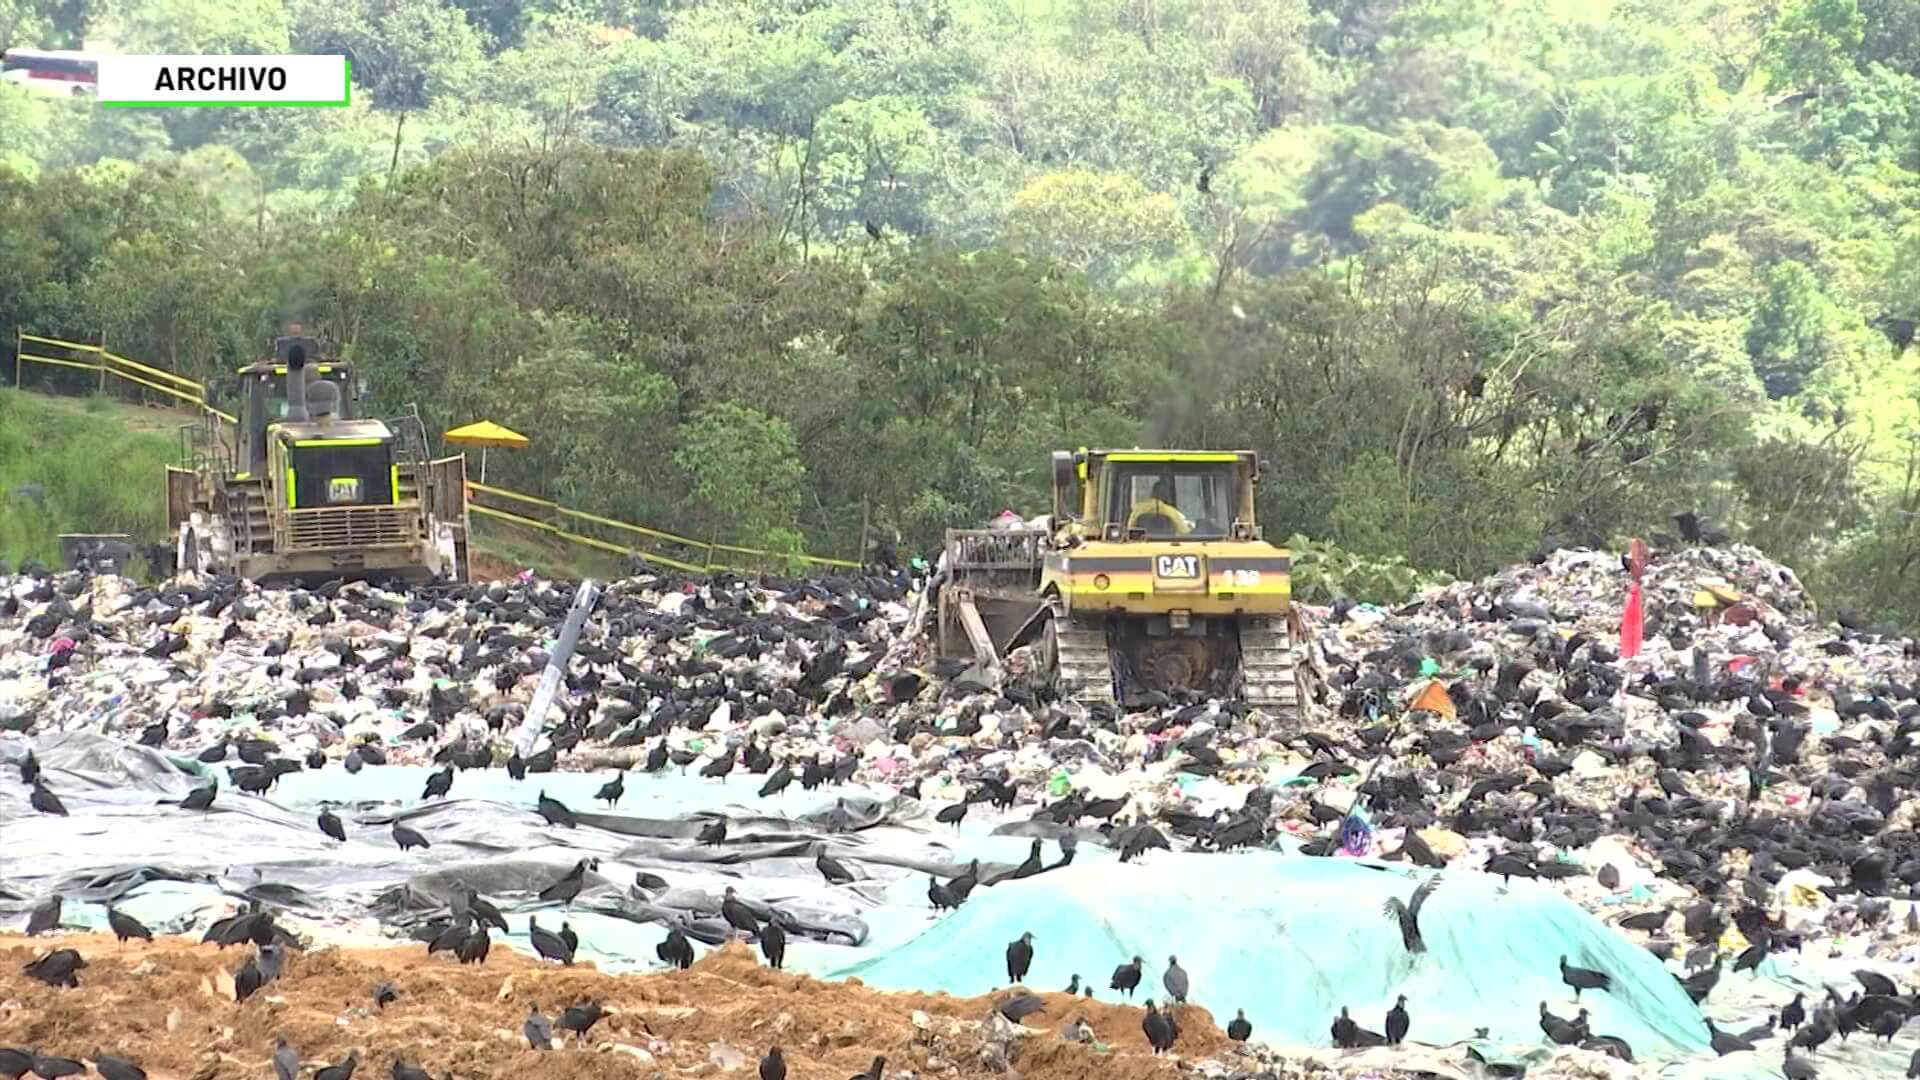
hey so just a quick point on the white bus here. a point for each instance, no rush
(63, 74)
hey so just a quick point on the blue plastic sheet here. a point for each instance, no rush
(123, 834)
(1292, 939)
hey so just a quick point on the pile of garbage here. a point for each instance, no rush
(224, 661)
(1727, 775)
(1725, 605)
(1736, 679)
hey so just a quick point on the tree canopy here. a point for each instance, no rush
(1476, 277)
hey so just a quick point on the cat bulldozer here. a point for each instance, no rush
(1150, 574)
(303, 489)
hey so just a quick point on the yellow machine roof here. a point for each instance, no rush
(1173, 455)
(332, 431)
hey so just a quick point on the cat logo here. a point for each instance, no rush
(1176, 566)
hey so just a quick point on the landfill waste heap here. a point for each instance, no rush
(1733, 797)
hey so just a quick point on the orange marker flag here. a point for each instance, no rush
(1433, 698)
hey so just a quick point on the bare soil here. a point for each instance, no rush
(485, 566)
(169, 1007)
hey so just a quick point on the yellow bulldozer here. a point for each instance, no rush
(1149, 574)
(304, 489)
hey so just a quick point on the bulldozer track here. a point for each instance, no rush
(1085, 668)
(1267, 664)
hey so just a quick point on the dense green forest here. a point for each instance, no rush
(1477, 276)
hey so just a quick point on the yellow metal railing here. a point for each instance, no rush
(691, 556)
(96, 358)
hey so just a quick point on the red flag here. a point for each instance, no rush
(1631, 624)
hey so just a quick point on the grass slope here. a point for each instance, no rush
(99, 467)
(509, 549)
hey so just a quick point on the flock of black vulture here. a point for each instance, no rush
(256, 927)
(1694, 789)
(1162, 1029)
(1697, 800)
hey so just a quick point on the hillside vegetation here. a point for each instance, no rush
(1477, 275)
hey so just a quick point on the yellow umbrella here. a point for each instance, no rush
(486, 434)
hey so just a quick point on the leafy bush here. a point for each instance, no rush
(744, 470)
(1323, 573)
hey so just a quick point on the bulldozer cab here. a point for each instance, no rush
(1165, 495)
(263, 402)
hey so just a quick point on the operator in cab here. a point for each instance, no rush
(1160, 502)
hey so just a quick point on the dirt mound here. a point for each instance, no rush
(169, 1006)
(485, 566)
